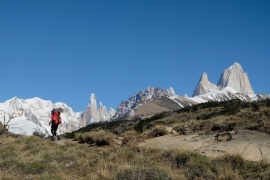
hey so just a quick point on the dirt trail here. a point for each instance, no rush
(250, 145)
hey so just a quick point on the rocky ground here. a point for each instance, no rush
(254, 146)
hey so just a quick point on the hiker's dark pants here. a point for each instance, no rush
(54, 129)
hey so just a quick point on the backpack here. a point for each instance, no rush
(59, 119)
(52, 112)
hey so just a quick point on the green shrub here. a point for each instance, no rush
(192, 164)
(234, 161)
(232, 107)
(233, 165)
(69, 135)
(158, 131)
(100, 138)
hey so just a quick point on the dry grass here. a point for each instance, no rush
(99, 138)
(37, 158)
(131, 138)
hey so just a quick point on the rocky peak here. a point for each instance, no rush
(147, 95)
(93, 101)
(204, 78)
(171, 91)
(94, 114)
(204, 86)
(235, 78)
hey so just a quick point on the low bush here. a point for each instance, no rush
(99, 138)
(158, 130)
(130, 137)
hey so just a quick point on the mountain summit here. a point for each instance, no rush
(33, 115)
(233, 78)
(94, 114)
(148, 102)
(204, 86)
(236, 78)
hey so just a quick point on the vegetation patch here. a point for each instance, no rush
(99, 138)
(36, 167)
(143, 174)
(158, 131)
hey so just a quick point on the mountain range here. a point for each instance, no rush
(33, 115)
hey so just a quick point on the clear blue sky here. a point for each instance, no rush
(64, 50)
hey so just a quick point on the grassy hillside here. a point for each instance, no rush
(207, 117)
(37, 158)
(110, 151)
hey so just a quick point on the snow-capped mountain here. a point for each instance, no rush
(94, 114)
(149, 102)
(33, 115)
(233, 84)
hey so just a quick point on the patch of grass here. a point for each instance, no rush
(8, 163)
(8, 152)
(80, 161)
(236, 166)
(99, 138)
(49, 176)
(130, 138)
(35, 167)
(142, 173)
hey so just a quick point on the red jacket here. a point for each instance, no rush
(56, 118)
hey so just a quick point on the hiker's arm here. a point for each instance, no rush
(51, 120)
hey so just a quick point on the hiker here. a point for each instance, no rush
(55, 121)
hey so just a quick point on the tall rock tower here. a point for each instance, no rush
(236, 78)
(204, 86)
(94, 114)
